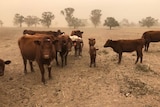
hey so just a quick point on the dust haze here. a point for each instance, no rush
(133, 10)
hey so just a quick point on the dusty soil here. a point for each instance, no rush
(78, 85)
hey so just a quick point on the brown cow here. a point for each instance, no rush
(78, 45)
(92, 41)
(38, 48)
(66, 44)
(92, 53)
(54, 34)
(2, 66)
(120, 46)
(150, 36)
(77, 32)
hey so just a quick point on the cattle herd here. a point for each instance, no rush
(45, 46)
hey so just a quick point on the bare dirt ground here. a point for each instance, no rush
(78, 85)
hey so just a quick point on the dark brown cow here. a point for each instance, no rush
(66, 44)
(92, 41)
(38, 48)
(150, 36)
(92, 53)
(120, 46)
(2, 66)
(77, 32)
(78, 45)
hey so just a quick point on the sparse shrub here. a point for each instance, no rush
(144, 68)
(135, 87)
(104, 52)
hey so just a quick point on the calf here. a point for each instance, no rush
(92, 41)
(78, 45)
(92, 53)
(38, 48)
(2, 66)
(120, 46)
(150, 36)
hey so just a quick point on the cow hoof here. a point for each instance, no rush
(43, 81)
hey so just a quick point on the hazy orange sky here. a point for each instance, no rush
(133, 10)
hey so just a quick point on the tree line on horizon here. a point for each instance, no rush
(75, 22)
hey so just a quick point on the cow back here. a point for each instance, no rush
(152, 36)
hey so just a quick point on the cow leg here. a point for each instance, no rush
(66, 58)
(62, 59)
(41, 67)
(31, 66)
(80, 51)
(49, 72)
(57, 59)
(120, 57)
(94, 62)
(25, 65)
(141, 56)
(90, 62)
(75, 52)
(147, 46)
(137, 57)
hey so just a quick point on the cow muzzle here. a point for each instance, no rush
(46, 56)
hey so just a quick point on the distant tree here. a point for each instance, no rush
(125, 22)
(28, 20)
(36, 20)
(1, 23)
(148, 21)
(111, 22)
(31, 20)
(47, 18)
(77, 23)
(68, 14)
(18, 19)
(95, 17)
(71, 20)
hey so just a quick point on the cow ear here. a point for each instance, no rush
(7, 62)
(109, 40)
(37, 42)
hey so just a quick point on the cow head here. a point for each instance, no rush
(46, 46)
(92, 41)
(108, 43)
(2, 66)
(65, 42)
(56, 34)
(30, 32)
(77, 32)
